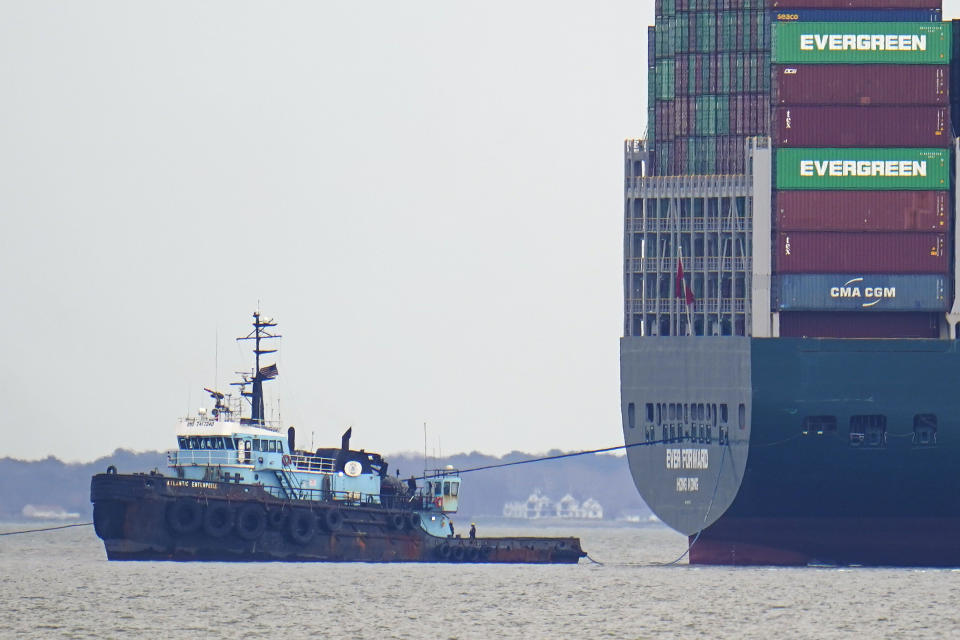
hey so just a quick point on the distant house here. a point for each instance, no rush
(568, 507)
(591, 509)
(538, 506)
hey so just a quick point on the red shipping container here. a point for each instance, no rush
(855, 4)
(862, 210)
(839, 252)
(681, 156)
(861, 84)
(738, 129)
(829, 126)
(757, 110)
(851, 324)
(668, 120)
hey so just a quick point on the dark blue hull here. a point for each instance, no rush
(836, 451)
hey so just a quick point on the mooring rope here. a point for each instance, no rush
(545, 458)
(63, 526)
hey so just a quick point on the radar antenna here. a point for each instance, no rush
(219, 406)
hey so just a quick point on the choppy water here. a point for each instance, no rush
(59, 584)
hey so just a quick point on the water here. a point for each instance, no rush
(59, 584)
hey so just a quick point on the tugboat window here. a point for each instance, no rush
(454, 487)
(631, 418)
(649, 412)
(446, 488)
(723, 413)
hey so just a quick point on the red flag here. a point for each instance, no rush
(682, 291)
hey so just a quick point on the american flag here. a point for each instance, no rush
(269, 372)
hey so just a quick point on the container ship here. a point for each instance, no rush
(790, 310)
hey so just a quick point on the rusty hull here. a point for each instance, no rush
(132, 516)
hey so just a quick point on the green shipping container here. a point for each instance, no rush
(861, 42)
(865, 169)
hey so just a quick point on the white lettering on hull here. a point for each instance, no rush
(688, 458)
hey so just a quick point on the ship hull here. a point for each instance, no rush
(843, 451)
(153, 517)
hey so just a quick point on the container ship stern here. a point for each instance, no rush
(789, 344)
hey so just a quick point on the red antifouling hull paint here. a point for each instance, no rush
(844, 126)
(862, 210)
(799, 541)
(844, 252)
(861, 84)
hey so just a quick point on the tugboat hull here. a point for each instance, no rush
(153, 517)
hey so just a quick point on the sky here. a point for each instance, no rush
(426, 196)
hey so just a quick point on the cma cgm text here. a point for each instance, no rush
(868, 292)
(842, 168)
(862, 42)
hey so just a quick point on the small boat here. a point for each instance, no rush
(240, 490)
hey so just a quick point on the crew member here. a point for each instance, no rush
(473, 530)
(451, 527)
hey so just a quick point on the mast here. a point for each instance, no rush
(268, 372)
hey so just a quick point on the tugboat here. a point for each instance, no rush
(242, 491)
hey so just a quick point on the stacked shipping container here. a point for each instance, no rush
(861, 134)
(708, 84)
(708, 79)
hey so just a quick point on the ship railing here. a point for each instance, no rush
(201, 457)
(666, 225)
(720, 185)
(690, 265)
(440, 473)
(313, 463)
(214, 457)
(352, 498)
(635, 145)
(671, 303)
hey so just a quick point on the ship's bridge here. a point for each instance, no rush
(442, 489)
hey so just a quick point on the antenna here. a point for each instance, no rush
(261, 331)
(424, 448)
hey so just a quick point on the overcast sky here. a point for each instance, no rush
(427, 196)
